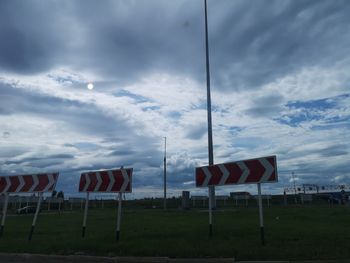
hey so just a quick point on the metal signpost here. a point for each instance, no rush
(85, 214)
(107, 181)
(37, 210)
(261, 217)
(4, 210)
(119, 216)
(252, 171)
(30, 183)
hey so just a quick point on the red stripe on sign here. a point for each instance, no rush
(256, 170)
(3, 184)
(216, 175)
(105, 181)
(82, 182)
(271, 160)
(28, 180)
(119, 179)
(14, 183)
(93, 182)
(235, 173)
(200, 176)
(43, 182)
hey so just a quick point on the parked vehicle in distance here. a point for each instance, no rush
(26, 210)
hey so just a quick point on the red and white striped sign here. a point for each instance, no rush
(260, 170)
(118, 180)
(28, 183)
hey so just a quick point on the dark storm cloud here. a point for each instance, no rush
(266, 106)
(41, 162)
(263, 40)
(127, 149)
(121, 152)
(32, 37)
(251, 43)
(83, 117)
(196, 132)
(329, 151)
(122, 39)
(136, 38)
(12, 151)
(334, 150)
(321, 172)
(176, 179)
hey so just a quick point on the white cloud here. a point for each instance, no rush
(280, 86)
(178, 112)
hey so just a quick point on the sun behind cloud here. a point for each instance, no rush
(90, 86)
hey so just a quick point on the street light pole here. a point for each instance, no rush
(164, 173)
(210, 133)
(295, 189)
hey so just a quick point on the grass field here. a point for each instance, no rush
(295, 232)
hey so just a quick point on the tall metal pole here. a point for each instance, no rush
(164, 173)
(119, 213)
(210, 133)
(295, 189)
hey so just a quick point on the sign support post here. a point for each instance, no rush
(85, 214)
(4, 210)
(261, 217)
(210, 214)
(106, 181)
(257, 171)
(59, 206)
(119, 216)
(26, 183)
(35, 216)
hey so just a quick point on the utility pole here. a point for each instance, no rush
(211, 189)
(164, 173)
(295, 189)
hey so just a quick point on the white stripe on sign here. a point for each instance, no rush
(245, 172)
(207, 176)
(225, 174)
(111, 181)
(268, 169)
(126, 180)
(21, 183)
(99, 181)
(8, 184)
(51, 182)
(35, 184)
(87, 182)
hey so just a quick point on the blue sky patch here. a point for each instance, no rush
(313, 110)
(125, 93)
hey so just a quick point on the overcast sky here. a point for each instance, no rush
(280, 74)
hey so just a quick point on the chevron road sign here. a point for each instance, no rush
(118, 180)
(260, 170)
(29, 183)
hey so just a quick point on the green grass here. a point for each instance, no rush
(310, 232)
